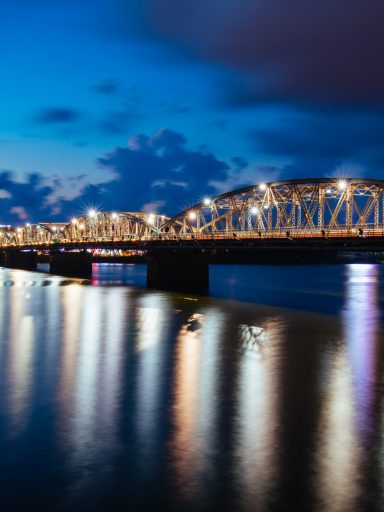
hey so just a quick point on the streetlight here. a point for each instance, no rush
(254, 210)
(206, 201)
(92, 213)
(342, 184)
(192, 215)
(263, 187)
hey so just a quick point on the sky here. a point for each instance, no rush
(151, 105)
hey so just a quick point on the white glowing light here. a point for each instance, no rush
(262, 186)
(254, 210)
(151, 219)
(74, 221)
(114, 215)
(92, 214)
(342, 185)
(81, 226)
(192, 215)
(328, 191)
(206, 201)
(28, 224)
(54, 228)
(265, 207)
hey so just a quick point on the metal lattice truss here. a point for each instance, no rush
(98, 227)
(319, 207)
(298, 208)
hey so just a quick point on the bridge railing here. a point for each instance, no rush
(367, 230)
(340, 232)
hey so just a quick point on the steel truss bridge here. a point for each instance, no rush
(324, 208)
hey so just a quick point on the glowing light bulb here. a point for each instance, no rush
(192, 215)
(342, 185)
(151, 219)
(262, 187)
(254, 210)
(92, 214)
(114, 215)
(206, 201)
(74, 221)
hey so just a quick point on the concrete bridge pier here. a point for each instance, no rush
(23, 260)
(178, 271)
(77, 264)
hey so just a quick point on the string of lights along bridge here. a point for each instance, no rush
(324, 207)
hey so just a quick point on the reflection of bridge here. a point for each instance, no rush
(308, 212)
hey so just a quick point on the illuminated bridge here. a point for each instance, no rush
(295, 215)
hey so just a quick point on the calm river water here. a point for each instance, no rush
(268, 395)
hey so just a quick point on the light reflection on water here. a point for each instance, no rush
(118, 397)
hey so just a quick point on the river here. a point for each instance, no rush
(265, 395)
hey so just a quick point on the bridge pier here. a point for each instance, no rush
(23, 260)
(178, 271)
(77, 264)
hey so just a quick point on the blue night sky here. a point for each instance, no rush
(153, 104)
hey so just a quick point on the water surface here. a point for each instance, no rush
(265, 395)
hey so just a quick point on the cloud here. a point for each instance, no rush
(57, 115)
(152, 172)
(106, 87)
(158, 169)
(321, 142)
(5, 194)
(28, 199)
(281, 50)
(20, 211)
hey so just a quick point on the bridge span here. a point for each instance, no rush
(319, 215)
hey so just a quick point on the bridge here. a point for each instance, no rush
(298, 215)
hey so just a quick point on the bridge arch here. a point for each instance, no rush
(109, 226)
(303, 207)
